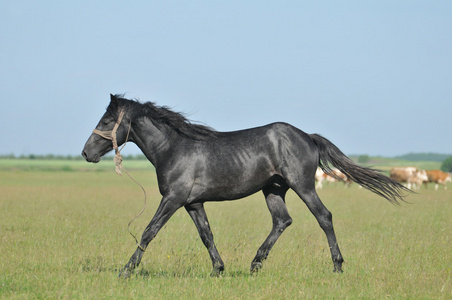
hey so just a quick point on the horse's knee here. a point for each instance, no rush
(287, 222)
(282, 223)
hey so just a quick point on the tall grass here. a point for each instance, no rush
(64, 235)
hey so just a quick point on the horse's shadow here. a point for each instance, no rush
(148, 274)
(99, 265)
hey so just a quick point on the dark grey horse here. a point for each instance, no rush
(195, 164)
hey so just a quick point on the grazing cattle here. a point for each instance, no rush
(438, 177)
(342, 177)
(320, 176)
(409, 175)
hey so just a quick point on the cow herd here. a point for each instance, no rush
(411, 177)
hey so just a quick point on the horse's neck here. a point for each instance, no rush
(153, 142)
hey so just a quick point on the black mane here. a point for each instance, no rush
(162, 117)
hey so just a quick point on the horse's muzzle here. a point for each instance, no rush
(93, 159)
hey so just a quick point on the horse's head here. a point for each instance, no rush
(110, 133)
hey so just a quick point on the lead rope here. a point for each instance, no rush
(111, 135)
(118, 167)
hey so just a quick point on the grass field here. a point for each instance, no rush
(64, 235)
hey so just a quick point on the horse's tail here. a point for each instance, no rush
(368, 178)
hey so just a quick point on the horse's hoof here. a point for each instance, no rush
(255, 267)
(216, 272)
(125, 273)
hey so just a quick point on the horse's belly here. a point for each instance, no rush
(228, 187)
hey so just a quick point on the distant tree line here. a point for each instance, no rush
(66, 157)
(424, 157)
(362, 159)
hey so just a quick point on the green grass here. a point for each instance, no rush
(64, 235)
(53, 165)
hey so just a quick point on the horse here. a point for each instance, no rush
(195, 164)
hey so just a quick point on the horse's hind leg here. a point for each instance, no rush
(274, 196)
(325, 219)
(198, 214)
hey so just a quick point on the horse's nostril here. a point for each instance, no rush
(84, 154)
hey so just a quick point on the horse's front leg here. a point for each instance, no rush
(165, 210)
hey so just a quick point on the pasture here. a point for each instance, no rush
(64, 235)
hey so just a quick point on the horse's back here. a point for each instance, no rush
(278, 141)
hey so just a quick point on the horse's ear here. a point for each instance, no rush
(113, 99)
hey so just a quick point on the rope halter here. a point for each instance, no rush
(111, 135)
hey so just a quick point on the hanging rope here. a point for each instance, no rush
(111, 135)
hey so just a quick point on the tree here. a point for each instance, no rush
(363, 159)
(446, 166)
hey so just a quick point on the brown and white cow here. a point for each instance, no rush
(320, 176)
(342, 176)
(438, 177)
(409, 175)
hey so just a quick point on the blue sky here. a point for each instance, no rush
(374, 77)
